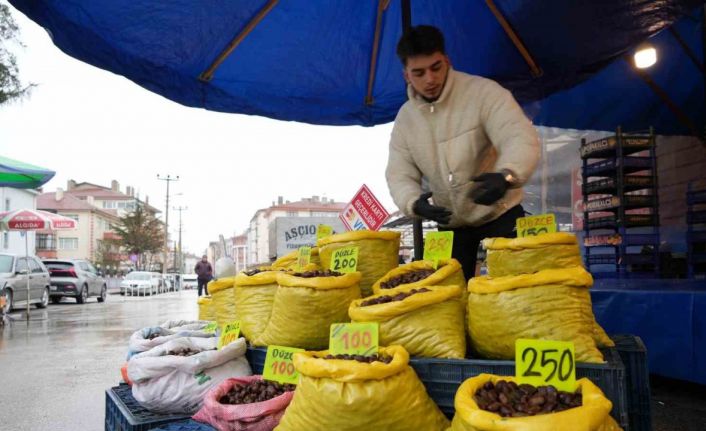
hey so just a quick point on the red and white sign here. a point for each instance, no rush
(364, 212)
(34, 220)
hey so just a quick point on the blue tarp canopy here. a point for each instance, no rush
(319, 61)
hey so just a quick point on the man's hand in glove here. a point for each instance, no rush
(489, 188)
(423, 208)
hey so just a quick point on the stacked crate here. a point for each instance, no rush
(696, 231)
(621, 205)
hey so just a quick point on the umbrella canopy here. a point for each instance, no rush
(30, 220)
(22, 175)
(333, 62)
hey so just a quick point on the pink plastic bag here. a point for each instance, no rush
(262, 416)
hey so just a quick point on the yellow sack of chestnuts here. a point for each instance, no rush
(553, 304)
(206, 311)
(289, 260)
(428, 324)
(223, 295)
(448, 273)
(347, 395)
(527, 255)
(592, 415)
(254, 296)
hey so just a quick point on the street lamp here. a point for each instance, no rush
(168, 179)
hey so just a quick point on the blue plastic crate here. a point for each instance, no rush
(442, 377)
(124, 413)
(188, 425)
(634, 356)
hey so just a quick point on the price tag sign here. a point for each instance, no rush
(210, 328)
(229, 333)
(304, 258)
(353, 339)
(323, 230)
(544, 362)
(344, 259)
(535, 225)
(279, 365)
(438, 246)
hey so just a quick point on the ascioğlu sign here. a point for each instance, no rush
(289, 233)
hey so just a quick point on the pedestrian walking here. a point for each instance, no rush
(204, 273)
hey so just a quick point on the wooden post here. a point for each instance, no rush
(512, 34)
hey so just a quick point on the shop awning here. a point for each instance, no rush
(333, 62)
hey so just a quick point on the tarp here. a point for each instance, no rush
(309, 60)
(22, 175)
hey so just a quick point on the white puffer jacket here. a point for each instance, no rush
(475, 126)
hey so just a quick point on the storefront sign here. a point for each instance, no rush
(303, 258)
(344, 259)
(364, 212)
(545, 362)
(229, 333)
(279, 365)
(287, 234)
(438, 246)
(603, 203)
(599, 240)
(354, 339)
(536, 225)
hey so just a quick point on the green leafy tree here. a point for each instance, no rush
(10, 86)
(108, 253)
(141, 233)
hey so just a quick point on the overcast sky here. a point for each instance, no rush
(91, 125)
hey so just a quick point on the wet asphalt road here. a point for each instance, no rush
(55, 370)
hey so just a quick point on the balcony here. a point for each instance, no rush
(111, 236)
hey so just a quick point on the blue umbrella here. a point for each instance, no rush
(21, 175)
(333, 62)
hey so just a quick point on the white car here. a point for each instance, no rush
(189, 281)
(141, 282)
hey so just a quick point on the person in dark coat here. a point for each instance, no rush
(204, 271)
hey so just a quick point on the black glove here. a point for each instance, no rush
(424, 209)
(489, 188)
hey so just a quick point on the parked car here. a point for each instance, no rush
(143, 282)
(189, 281)
(75, 278)
(14, 271)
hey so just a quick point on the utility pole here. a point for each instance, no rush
(181, 254)
(168, 179)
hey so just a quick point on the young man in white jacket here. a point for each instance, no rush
(469, 140)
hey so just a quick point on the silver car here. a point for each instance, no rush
(75, 278)
(14, 272)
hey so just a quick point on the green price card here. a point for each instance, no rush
(323, 230)
(438, 246)
(210, 328)
(344, 259)
(303, 258)
(354, 338)
(279, 365)
(229, 333)
(545, 362)
(535, 225)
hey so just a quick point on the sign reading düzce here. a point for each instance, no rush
(364, 211)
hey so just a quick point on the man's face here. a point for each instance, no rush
(204, 259)
(427, 74)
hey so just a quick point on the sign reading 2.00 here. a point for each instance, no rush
(544, 362)
(344, 259)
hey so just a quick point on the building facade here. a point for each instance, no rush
(12, 199)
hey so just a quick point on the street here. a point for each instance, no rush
(56, 368)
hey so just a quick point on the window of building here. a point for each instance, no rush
(71, 216)
(45, 242)
(292, 213)
(7, 204)
(6, 240)
(109, 204)
(68, 243)
(324, 214)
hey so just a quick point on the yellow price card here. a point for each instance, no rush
(438, 246)
(229, 333)
(545, 362)
(210, 328)
(279, 365)
(535, 225)
(303, 258)
(323, 230)
(344, 259)
(354, 339)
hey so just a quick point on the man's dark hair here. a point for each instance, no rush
(420, 40)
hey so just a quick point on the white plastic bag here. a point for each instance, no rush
(225, 267)
(140, 341)
(174, 384)
(185, 324)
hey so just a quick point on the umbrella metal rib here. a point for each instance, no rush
(208, 74)
(382, 6)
